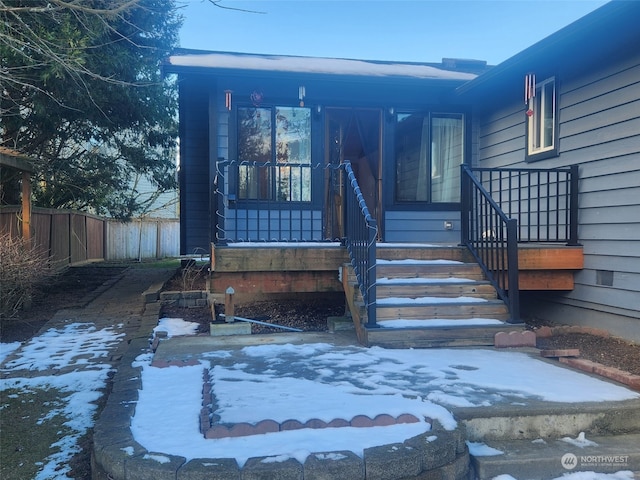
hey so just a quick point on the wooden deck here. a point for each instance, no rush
(435, 301)
(279, 268)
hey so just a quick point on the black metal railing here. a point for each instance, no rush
(361, 232)
(544, 201)
(265, 202)
(491, 236)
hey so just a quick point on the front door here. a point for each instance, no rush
(354, 135)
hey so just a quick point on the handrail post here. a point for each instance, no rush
(218, 225)
(573, 206)
(371, 275)
(465, 203)
(513, 271)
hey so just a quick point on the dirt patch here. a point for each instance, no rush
(308, 314)
(609, 351)
(71, 289)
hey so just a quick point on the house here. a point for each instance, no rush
(586, 114)
(285, 161)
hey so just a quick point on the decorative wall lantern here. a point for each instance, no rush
(302, 92)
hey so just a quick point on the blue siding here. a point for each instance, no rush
(421, 226)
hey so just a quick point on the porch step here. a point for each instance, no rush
(435, 337)
(552, 458)
(399, 251)
(430, 296)
(403, 287)
(436, 268)
(436, 307)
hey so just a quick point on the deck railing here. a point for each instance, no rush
(502, 207)
(544, 201)
(491, 236)
(361, 232)
(265, 202)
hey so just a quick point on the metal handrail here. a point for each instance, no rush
(492, 238)
(361, 233)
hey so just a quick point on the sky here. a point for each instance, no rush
(255, 383)
(392, 30)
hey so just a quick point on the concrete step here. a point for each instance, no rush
(551, 458)
(543, 419)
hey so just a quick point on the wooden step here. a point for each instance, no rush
(417, 288)
(486, 309)
(435, 337)
(397, 251)
(420, 268)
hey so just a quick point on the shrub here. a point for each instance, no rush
(22, 268)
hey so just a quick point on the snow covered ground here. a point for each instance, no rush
(71, 361)
(283, 382)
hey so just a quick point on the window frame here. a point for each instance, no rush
(430, 114)
(536, 109)
(271, 195)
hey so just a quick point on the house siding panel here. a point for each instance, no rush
(599, 129)
(194, 168)
(421, 226)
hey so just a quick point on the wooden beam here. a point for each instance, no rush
(275, 259)
(550, 258)
(546, 280)
(275, 282)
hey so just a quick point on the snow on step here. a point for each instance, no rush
(422, 280)
(411, 261)
(438, 322)
(428, 300)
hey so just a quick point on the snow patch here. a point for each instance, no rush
(580, 441)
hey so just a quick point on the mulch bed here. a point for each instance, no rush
(609, 351)
(309, 314)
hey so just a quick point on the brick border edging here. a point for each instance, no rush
(629, 379)
(211, 429)
(117, 456)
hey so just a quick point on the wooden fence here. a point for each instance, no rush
(72, 237)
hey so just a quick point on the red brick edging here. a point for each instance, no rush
(213, 431)
(630, 380)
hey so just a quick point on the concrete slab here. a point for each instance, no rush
(226, 329)
(176, 348)
(551, 458)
